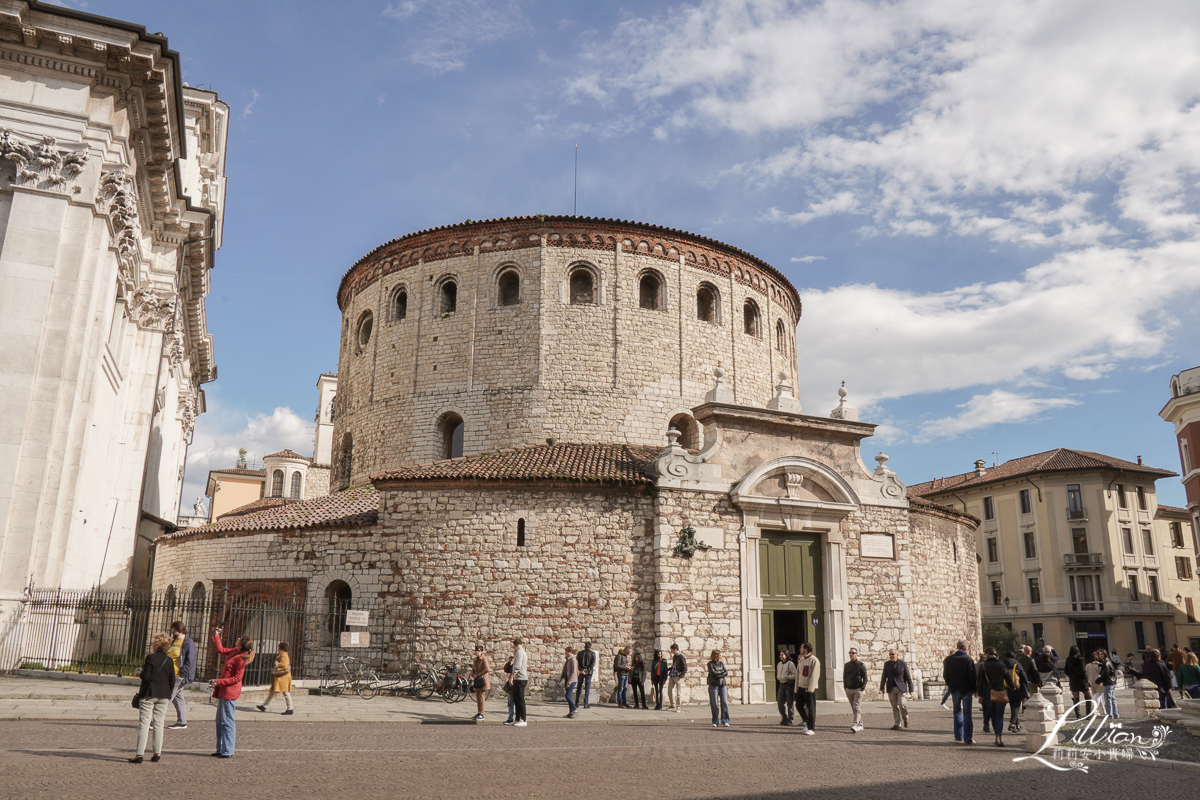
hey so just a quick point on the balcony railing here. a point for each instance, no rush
(1076, 513)
(1083, 560)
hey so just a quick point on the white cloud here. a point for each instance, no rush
(985, 410)
(807, 259)
(249, 109)
(443, 33)
(1068, 125)
(219, 434)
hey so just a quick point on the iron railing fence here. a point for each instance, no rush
(110, 632)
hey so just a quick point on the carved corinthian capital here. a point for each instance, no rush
(118, 200)
(41, 164)
(150, 311)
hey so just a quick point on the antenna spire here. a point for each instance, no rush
(575, 200)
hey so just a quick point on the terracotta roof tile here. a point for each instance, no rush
(352, 507)
(1060, 460)
(1173, 510)
(261, 504)
(588, 463)
(261, 473)
(289, 454)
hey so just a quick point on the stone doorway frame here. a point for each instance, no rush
(822, 519)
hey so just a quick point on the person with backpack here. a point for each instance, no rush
(675, 678)
(660, 670)
(718, 691)
(587, 663)
(1019, 692)
(183, 652)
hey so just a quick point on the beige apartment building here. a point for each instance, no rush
(1074, 549)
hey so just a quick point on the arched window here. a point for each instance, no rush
(400, 305)
(780, 337)
(689, 431)
(345, 468)
(650, 290)
(338, 598)
(296, 485)
(170, 600)
(509, 288)
(583, 290)
(708, 306)
(196, 610)
(277, 483)
(750, 319)
(452, 435)
(521, 532)
(449, 297)
(366, 323)
(332, 408)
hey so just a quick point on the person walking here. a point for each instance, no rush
(228, 687)
(660, 670)
(621, 671)
(520, 679)
(481, 680)
(1019, 692)
(637, 679)
(675, 678)
(994, 684)
(1077, 680)
(1132, 676)
(1025, 659)
(281, 681)
(854, 681)
(785, 688)
(1047, 666)
(587, 664)
(896, 682)
(570, 677)
(183, 653)
(958, 671)
(1158, 673)
(1107, 685)
(153, 697)
(718, 692)
(1189, 676)
(808, 678)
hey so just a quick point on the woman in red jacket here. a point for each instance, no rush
(228, 688)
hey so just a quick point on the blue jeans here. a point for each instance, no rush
(721, 693)
(512, 707)
(622, 689)
(1110, 701)
(571, 697)
(226, 727)
(583, 689)
(1164, 700)
(964, 727)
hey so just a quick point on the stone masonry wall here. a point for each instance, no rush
(316, 483)
(609, 371)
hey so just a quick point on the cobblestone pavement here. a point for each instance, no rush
(676, 759)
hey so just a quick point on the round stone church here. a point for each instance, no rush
(572, 429)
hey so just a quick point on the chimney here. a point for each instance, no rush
(1139, 461)
(979, 470)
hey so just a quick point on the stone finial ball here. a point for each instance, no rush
(842, 391)
(783, 376)
(719, 373)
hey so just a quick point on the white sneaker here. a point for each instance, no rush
(714, 724)
(520, 724)
(945, 707)
(809, 731)
(724, 724)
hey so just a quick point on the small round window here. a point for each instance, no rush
(366, 324)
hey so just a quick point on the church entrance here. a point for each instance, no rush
(790, 587)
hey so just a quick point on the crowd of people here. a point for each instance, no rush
(998, 682)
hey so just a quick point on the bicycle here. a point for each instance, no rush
(351, 675)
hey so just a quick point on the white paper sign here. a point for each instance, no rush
(878, 545)
(356, 638)
(357, 618)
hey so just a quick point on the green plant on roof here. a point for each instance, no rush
(241, 460)
(688, 543)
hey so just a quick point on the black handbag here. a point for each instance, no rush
(478, 683)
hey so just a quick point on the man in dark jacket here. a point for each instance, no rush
(186, 674)
(958, 670)
(675, 678)
(1019, 692)
(896, 682)
(854, 681)
(587, 663)
(1158, 673)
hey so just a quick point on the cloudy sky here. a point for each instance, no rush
(990, 209)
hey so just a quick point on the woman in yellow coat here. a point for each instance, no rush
(281, 680)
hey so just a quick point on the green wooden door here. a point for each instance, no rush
(790, 586)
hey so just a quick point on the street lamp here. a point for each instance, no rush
(1009, 606)
(1178, 599)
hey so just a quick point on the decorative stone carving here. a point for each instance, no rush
(785, 398)
(187, 412)
(118, 199)
(150, 311)
(844, 411)
(794, 481)
(892, 487)
(676, 467)
(719, 393)
(175, 348)
(42, 165)
(688, 543)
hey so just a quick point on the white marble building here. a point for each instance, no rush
(111, 199)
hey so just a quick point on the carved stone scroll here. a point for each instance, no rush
(42, 165)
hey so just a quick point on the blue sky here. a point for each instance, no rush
(990, 212)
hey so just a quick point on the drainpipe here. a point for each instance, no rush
(1034, 485)
(959, 499)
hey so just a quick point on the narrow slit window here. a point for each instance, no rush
(521, 532)
(400, 306)
(509, 288)
(449, 297)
